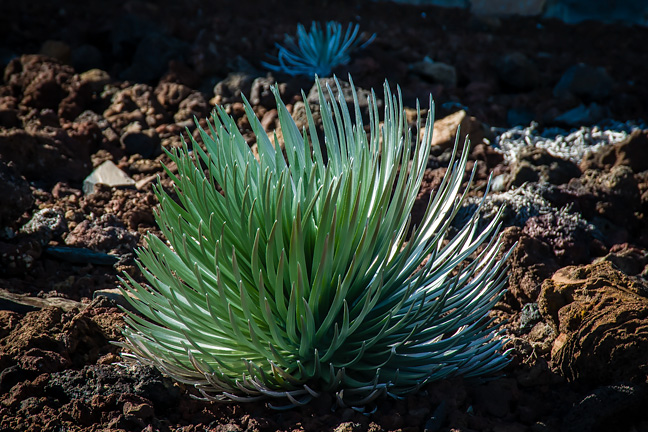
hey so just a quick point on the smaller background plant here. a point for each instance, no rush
(319, 51)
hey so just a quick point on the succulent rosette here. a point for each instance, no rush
(318, 51)
(294, 270)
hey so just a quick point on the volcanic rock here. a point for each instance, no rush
(631, 151)
(535, 164)
(15, 190)
(601, 317)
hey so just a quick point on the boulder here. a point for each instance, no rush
(601, 318)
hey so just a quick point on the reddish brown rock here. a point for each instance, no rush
(15, 190)
(44, 361)
(626, 258)
(568, 235)
(18, 255)
(8, 321)
(79, 96)
(40, 82)
(489, 158)
(613, 194)
(609, 200)
(536, 164)
(9, 111)
(194, 106)
(134, 208)
(601, 317)
(630, 152)
(531, 261)
(137, 103)
(170, 94)
(107, 235)
(50, 339)
(32, 332)
(48, 154)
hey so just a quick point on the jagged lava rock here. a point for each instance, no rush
(106, 234)
(232, 87)
(630, 260)
(16, 194)
(569, 236)
(609, 200)
(48, 154)
(632, 151)
(136, 103)
(39, 81)
(531, 262)
(601, 317)
(536, 164)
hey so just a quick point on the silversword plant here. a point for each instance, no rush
(317, 52)
(289, 276)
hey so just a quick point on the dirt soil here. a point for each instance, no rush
(88, 82)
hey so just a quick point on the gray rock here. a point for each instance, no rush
(520, 204)
(498, 184)
(583, 115)
(105, 234)
(109, 174)
(537, 164)
(508, 7)
(572, 145)
(584, 81)
(575, 11)
(20, 254)
(437, 72)
(106, 129)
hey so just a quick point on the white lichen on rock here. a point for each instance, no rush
(571, 146)
(519, 205)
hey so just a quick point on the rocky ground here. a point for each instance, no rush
(120, 83)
